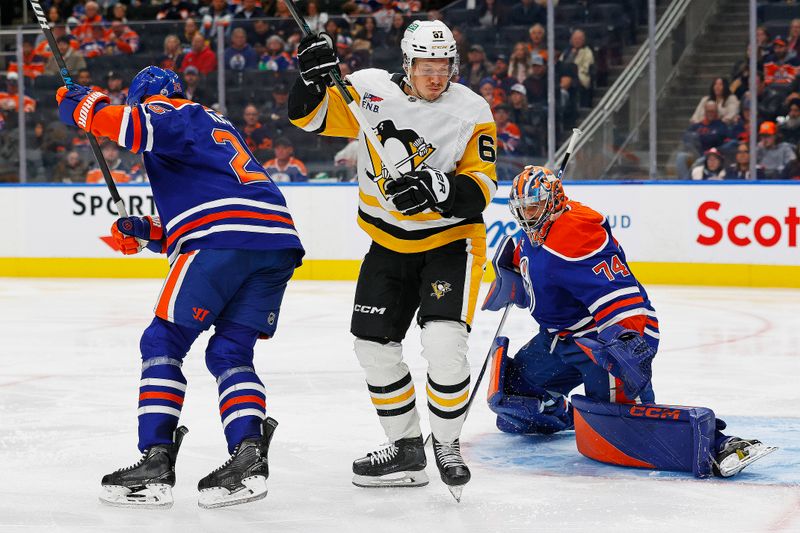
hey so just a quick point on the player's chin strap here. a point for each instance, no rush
(406, 81)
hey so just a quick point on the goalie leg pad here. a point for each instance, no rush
(518, 413)
(653, 436)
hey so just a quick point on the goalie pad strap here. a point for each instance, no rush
(659, 437)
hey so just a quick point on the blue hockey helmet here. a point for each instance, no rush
(153, 80)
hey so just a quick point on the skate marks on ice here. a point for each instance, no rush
(557, 455)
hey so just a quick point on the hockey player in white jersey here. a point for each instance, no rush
(429, 240)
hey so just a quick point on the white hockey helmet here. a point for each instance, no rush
(428, 39)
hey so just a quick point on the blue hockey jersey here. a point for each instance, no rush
(209, 190)
(579, 281)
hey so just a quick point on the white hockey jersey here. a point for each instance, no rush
(455, 134)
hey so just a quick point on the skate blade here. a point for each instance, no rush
(456, 491)
(153, 496)
(733, 464)
(255, 488)
(407, 478)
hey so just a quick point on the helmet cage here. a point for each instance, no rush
(536, 197)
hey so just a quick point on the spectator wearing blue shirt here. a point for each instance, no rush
(275, 58)
(709, 133)
(285, 167)
(240, 55)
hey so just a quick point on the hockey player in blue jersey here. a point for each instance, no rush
(232, 248)
(597, 329)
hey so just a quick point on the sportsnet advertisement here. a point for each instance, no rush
(665, 224)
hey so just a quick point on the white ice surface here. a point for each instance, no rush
(69, 374)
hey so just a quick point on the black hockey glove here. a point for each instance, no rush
(316, 58)
(417, 191)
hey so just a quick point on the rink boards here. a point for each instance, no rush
(676, 233)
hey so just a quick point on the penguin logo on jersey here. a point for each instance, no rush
(408, 148)
(440, 288)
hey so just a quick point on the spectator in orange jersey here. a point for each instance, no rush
(9, 99)
(780, 67)
(491, 93)
(509, 136)
(123, 39)
(95, 45)
(91, 18)
(200, 56)
(173, 54)
(537, 44)
(256, 135)
(120, 170)
(285, 167)
(32, 64)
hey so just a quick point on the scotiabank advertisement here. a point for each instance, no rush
(754, 224)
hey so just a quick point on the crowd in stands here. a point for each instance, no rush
(502, 48)
(718, 137)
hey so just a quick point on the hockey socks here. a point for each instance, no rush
(242, 405)
(161, 392)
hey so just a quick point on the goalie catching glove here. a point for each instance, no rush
(132, 234)
(624, 354)
(419, 190)
(316, 59)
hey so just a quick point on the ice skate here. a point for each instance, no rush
(452, 469)
(399, 464)
(243, 477)
(737, 454)
(149, 482)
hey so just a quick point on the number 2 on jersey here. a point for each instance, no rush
(240, 159)
(617, 267)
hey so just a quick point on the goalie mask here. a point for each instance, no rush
(427, 39)
(537, 198)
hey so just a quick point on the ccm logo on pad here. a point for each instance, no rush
(369, 310)
(655, 412)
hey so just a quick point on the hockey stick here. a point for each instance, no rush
(576, 134)
(336, 78)
(62, 66)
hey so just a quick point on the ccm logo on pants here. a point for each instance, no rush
(368, 309)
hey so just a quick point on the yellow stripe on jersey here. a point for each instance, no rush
(411, 246)
(339, 121)
(479, 159)
(478, 252)
(374, 202)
